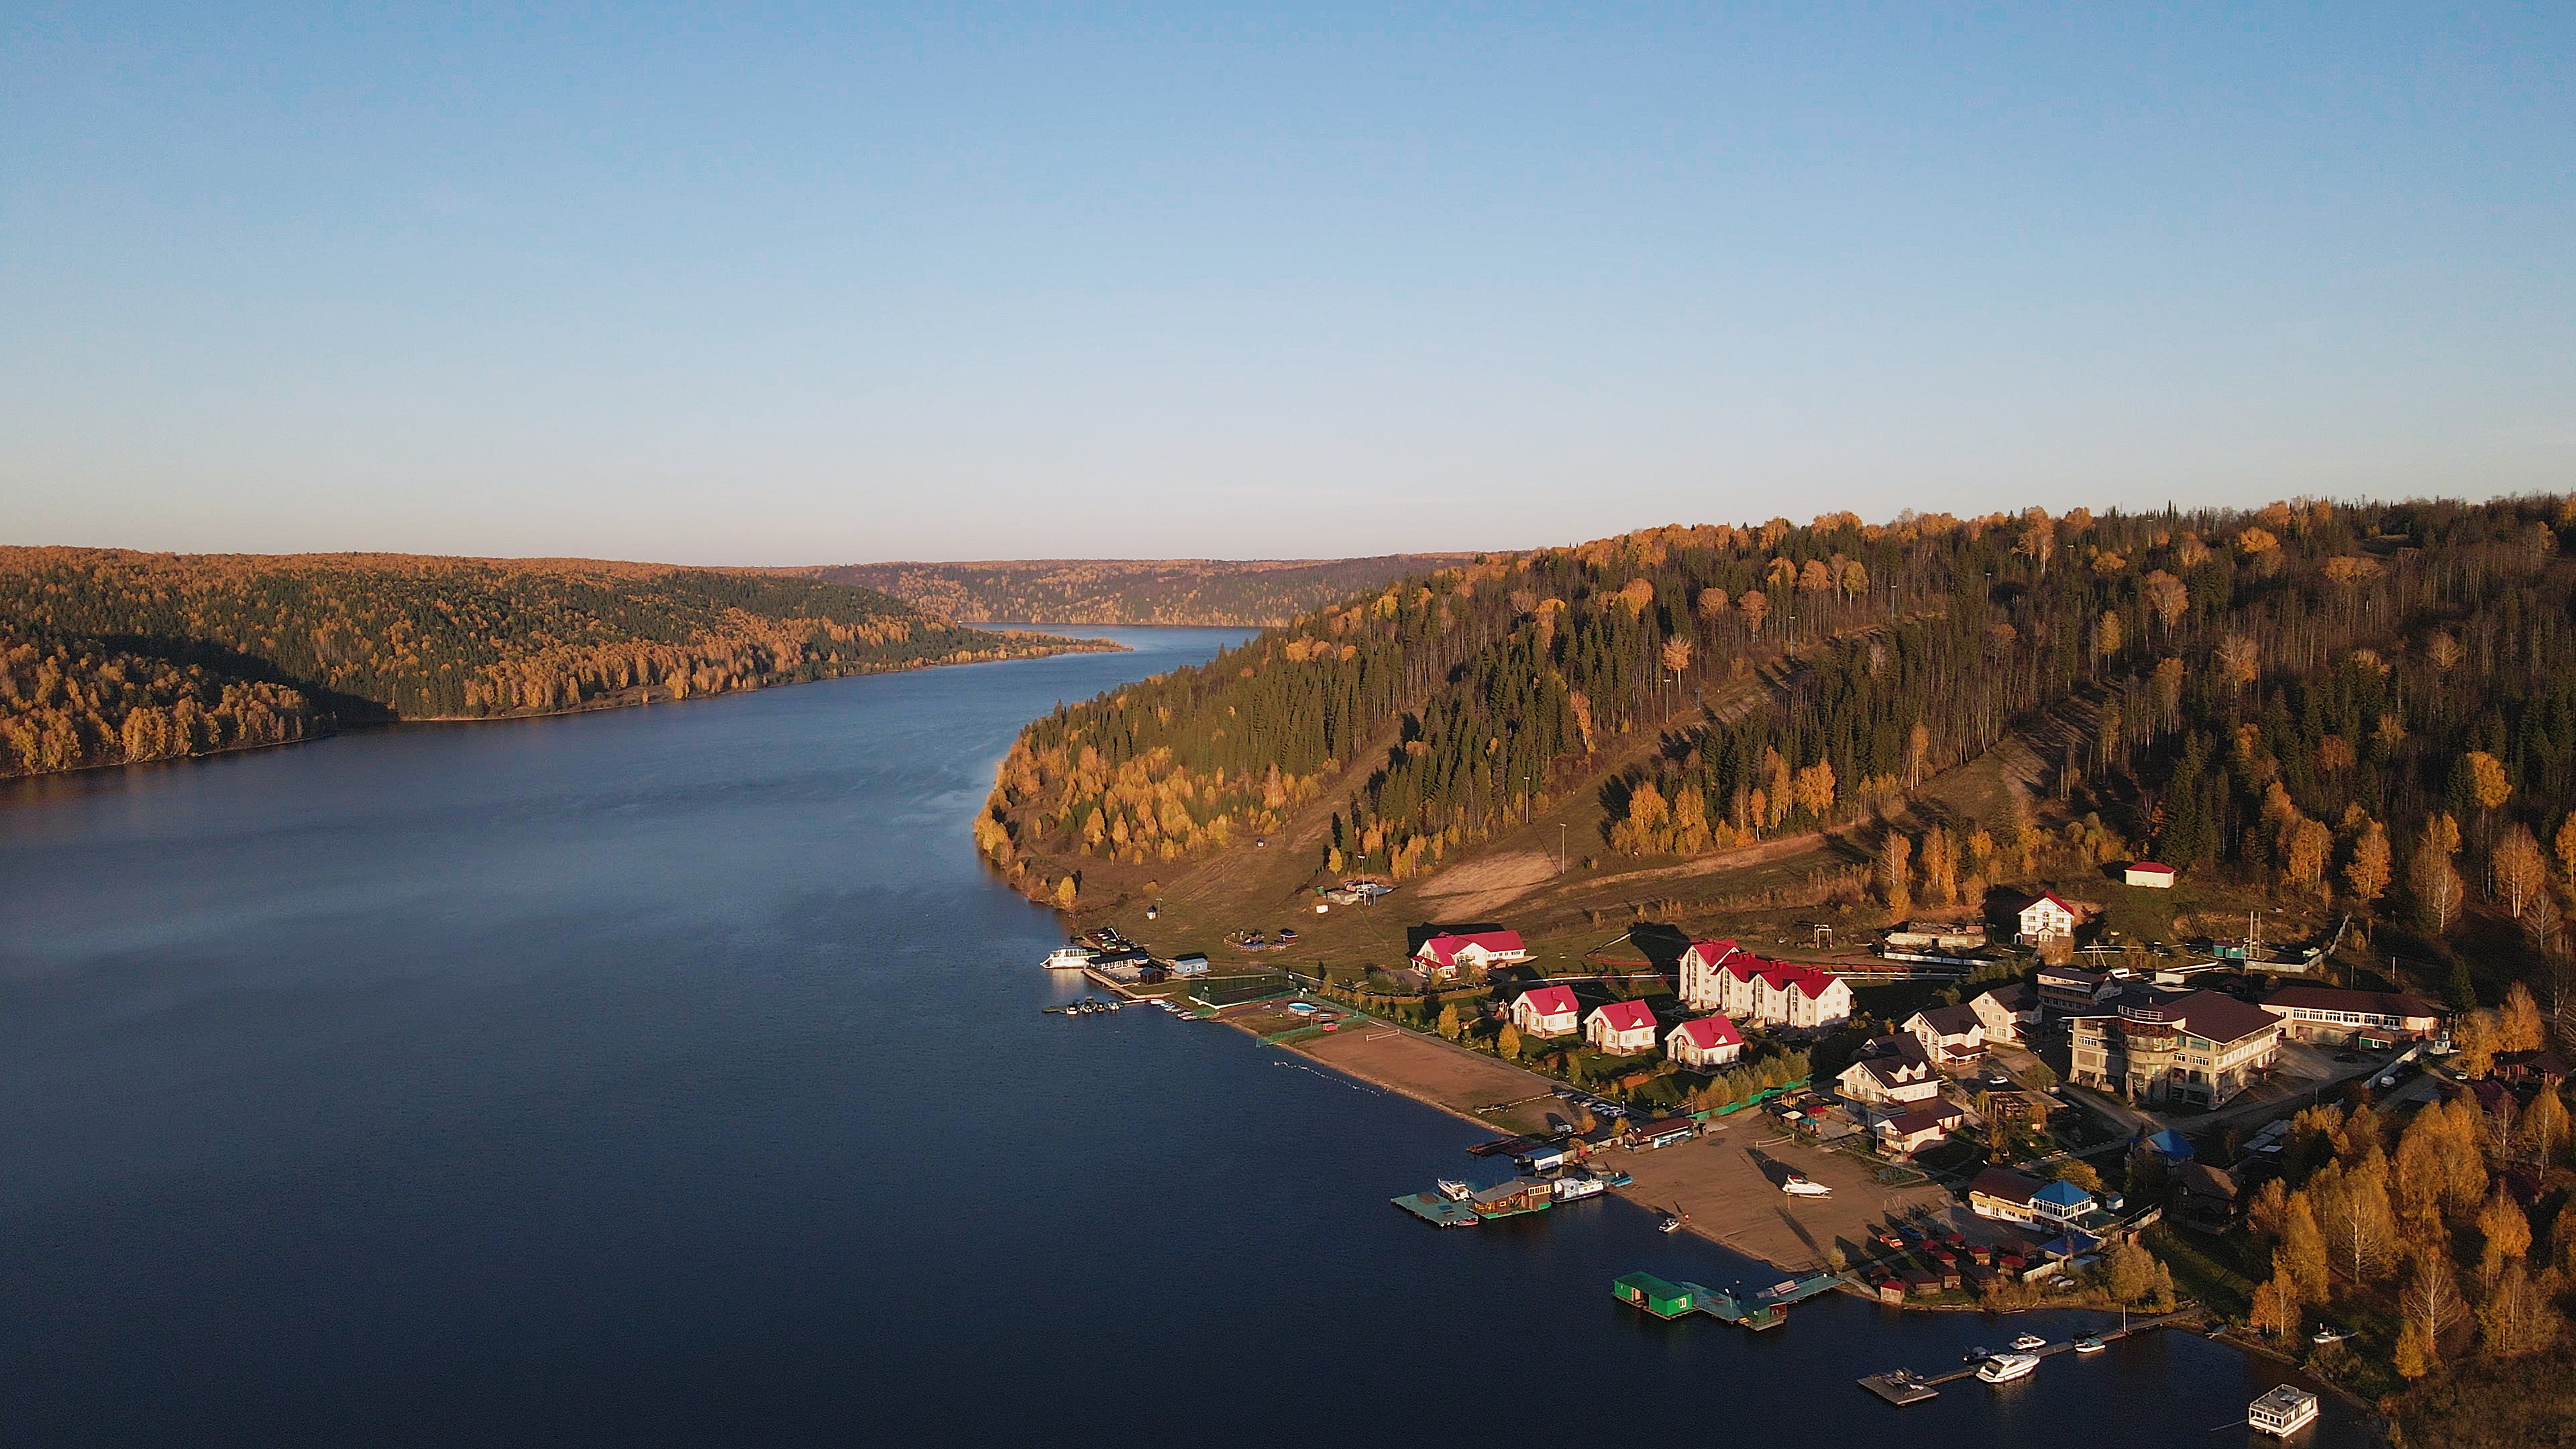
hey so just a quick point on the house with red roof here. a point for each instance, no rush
(2154, 875)
(1546, 1011)
(1624, 1027)
(1703, 975)
(2046, 919)
(1704, 1043)
(1468, 953)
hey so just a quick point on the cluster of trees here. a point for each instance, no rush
(67, 705)
(162, 654)
(1250, 594)
(2426, 1232)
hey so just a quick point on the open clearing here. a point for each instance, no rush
(1430, 1070)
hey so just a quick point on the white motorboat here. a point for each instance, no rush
(2003, 1368)
(1067, 958)
(2327, 1333)
(1672, 1222)
(2089, 1344)
(2282, 1412)
(1800, 1185)
(1454, 1191)
(2029, 1343)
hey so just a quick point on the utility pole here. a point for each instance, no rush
(1560, 847)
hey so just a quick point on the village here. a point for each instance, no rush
(1958, 1123)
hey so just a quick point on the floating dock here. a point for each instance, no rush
(1438, 1211)
(1899, 1387)
(1670, 1300)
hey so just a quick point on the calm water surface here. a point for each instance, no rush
(676, 1075)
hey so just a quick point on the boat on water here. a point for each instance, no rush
(2029, 1342)
(1067, 958)
(1979, 1354)
(1569, 1189)
(2282, 1412)
(2089, 1344)
(1453, 1190)
(1800, 1185)
(1672, 1222)
(2003, 1368)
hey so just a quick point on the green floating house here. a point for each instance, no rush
(1653, 1294)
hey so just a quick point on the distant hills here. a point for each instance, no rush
(110, 657)
(1242, 593)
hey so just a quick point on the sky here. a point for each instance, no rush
(811, 284)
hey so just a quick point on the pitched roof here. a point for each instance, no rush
(1713, 952)
(2158, 867)
(1709, 1032)
(1948, 1020)
(1550, 1000)
(2016, 997)
(2061, 1193)
(2047, 896)
(2072, 973)
(1626, 1015)
(2335, 998)
(2004, 1184)
(1921, 1119)
(2220, 1017)
(1807, 981)
(1444, 948)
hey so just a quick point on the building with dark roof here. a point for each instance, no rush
(2342, 1018)
(2158, 1047)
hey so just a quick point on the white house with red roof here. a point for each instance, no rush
(2154, 875)
(2046, 919)
(1704, 976)
(1625, 1027)
(1704, 1043)
(1546, 1011)
(1472, 953)
(1799, 996)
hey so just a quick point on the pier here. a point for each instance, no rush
(1904, 1386)
(1670, 1300)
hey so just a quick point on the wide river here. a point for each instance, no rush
(677, 1076)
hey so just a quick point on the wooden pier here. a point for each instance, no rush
(1904, 1386)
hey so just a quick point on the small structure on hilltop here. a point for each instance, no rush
(2154, 875)
(1626, 1028)
(1546, 1011)
(1704, 1043)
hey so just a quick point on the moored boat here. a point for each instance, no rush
(2029, 1342)
(1800, 1185)
(1568, 1189)
(2282, 1411)
(2089, 1344)
(1067, 958)
(2003, 1368)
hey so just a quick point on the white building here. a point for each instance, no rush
(1951, 1035)
(1894, 1069)
(2008, 1013)
(1704, 1043)
(2046, 919)
(1624, 1027)
(1546, 1011)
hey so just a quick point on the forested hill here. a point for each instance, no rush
(2376, 703)
(109, 656)
(1241, 593)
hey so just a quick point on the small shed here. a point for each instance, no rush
(2154, 875)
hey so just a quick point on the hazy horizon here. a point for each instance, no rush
(796, 286)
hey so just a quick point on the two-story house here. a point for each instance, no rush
(1545, 1011)
(1891, 1070)
(1704, 1043)
(2341, 1018)
(1468, 954)
(1623, 1027)
(2046, 919)
(1951, 1035)
(2010, 1014)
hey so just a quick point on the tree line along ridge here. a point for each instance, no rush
(109, 656)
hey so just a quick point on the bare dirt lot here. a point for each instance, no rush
(1433, 1071)
(1728, 1183)
(1482, 887)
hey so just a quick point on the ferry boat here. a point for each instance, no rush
(1799, 1185)
(2003, 1368)
(1067, 958)
(2282, 1412)
(2028, 1342)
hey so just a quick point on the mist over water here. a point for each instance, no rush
(676, 1076)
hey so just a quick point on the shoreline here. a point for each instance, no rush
(639, 697)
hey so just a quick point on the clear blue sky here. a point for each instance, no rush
(816, 284)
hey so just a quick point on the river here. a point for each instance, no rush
(676, 1075)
